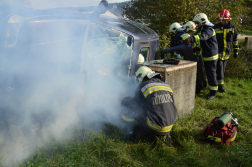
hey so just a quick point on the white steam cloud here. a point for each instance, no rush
(55, 75)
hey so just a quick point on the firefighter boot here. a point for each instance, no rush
(221, 88)
(212, 94)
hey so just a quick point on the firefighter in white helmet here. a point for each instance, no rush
(190, 27)
(209, 48)
(140, 59)
(152, 107)
(178, 34)
(226, 34)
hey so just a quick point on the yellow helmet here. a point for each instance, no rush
(140, 59)
(201, 18)
(190, 26)
(144, 71)
(174, 27)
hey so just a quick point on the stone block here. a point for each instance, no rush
(182, 79)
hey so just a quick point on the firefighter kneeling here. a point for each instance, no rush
(151, 112)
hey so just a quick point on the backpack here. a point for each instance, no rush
(217, 136)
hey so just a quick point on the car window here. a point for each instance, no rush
(108, 50)
(145, 52)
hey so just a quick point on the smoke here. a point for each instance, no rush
(56, 75)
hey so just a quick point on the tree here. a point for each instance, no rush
(160, 14)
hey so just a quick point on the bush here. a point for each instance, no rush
(241, 67)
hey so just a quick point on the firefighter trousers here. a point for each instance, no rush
(135, 120)
(211, 67)
(221, 65)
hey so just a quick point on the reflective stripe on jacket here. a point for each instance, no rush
(156, 99)
(226, 37)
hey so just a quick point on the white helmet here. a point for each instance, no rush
(174, 27)
(201, 18)
(144, 71)
(190, 26)
(140, 59)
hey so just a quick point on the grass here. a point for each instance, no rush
(99, 149)
(247, 32)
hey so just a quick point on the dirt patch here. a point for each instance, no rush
(243, 36)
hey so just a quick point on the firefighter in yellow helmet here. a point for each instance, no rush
(152, 108)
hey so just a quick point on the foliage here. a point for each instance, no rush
(89, 148)
(160, 14)
(241, 67)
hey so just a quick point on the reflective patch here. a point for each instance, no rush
(155, 89)
(158, 128)
(161, 99)
(233, 138)
(127, 119)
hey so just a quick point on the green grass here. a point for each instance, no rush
(99, 149)
(247, 32)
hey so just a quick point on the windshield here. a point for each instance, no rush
(108, 51)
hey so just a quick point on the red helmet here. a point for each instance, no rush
(224, 15)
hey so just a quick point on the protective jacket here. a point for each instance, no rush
(157, 103)
(177, 39)
(226, 37)
(208, 43)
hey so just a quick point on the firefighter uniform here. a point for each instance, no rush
(176, 40)
(209, 49)
(152, 107)
(226, 37)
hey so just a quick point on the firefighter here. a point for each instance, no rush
(178, 35)
(226, 34)
(151, 112)
(190, 27)
(209, 48)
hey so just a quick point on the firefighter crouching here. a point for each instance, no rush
(226, 34)
(209, 48)
(151, 112)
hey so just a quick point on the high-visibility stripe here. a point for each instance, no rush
(227, 57)
(152, 84)
(219, 32)
(127, 119)
(213, 87)
(225, 42)
(214, 33)
(158, 128)
(196, 37)
(210, 58)
(233, 138)
(185, 36)
(216, 139)
(155, 89)
(221, 83)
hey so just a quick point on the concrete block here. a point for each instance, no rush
(248, 42)
(182, 79)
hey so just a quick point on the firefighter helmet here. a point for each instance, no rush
(174, 27)
(190, 26)
(145, 71)
(140, 58)
(201, 18)
(224, 15)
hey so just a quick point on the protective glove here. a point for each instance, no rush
(235, 53)
(186, 41)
